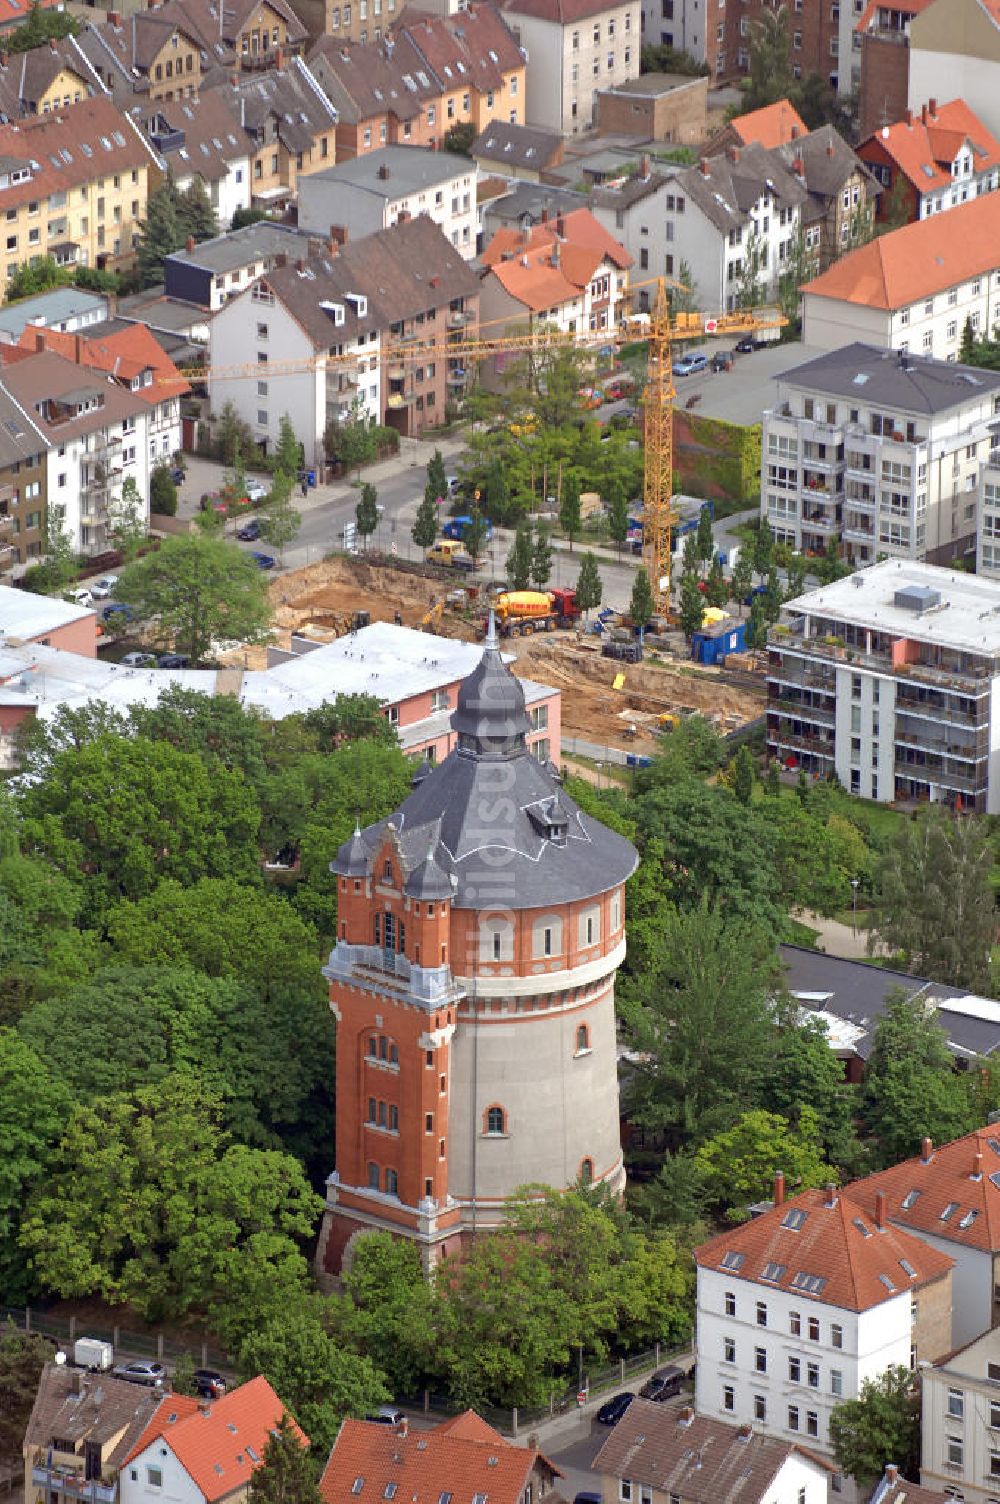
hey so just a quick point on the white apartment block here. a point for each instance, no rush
(878, 455)
(960, 1422)
(574, 51)
(386, 187)
(890, 679)
(676, 23)
(799, 1306)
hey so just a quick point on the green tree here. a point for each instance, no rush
(797, 569)
(795, 271)
(772, 782)
(763, 549)
(34, 1107)
(318, 1379)
(716, 587)
(280, 520)
(882, 1425)
(391, 1309)
(541, 558)
(160, 233)
(967, 349)
(896, 207)
(148, 1202)
(704, 541)
(162, 492)
(33, 277)
(757, 627)
(772, 598)
(744, 775)
(589, 586)
(641, 606)
(692, 611)
(911, 1088)
(40, 26)
(460, 138)
(805, 1073)
(741, 578)
(437, 477)
(195, 212)
(520, 558)
(618, 516)
(127, 525)
(934, 899)
(570, 519)
(198, 590)
(243, 217)
(60, 555)
(23, 1355)
(749, 290)
(287, 1473)
(425, 524)
(287, 458)
(737, 1165)
(770, 70)
(182, 1378)
(233, 437)
(474, 537)
(366, 513)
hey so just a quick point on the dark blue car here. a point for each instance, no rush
(612, 1410)
(117, 611)
(263, 561)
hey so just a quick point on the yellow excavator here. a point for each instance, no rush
(432, 617)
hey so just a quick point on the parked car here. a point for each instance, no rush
(263, 561)
(664, 1383)
(139, 660)
(256, 490)
(689, 364)
(723, 360)
(386, 1415)
(746, 345)
(173, 660)
(117, 610)
(142, 1371)
(249, 532)
(208, 1384)
(177, 474)
(104, 587)
(613, 1409)
(82, 597)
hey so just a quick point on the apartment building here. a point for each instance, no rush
(960, 1422)
(357, 21)
(814, 34)
(875, 453)
(955, 54)
(80, 1430)
(23, 490)
(215, 271)
(45, 78)
(742, 206)
(289, 124)
(914, 288)
(575, 49)
(204, 137)
(73, 185)
(386, 187)
(932, 161)
(567, 271)
(95, 435)
(798, 1307)
(330, 315)
(887, 679)
(253, 32)
(149, 53)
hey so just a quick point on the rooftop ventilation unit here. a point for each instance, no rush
(918, 598)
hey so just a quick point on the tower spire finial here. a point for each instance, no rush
(492, 642)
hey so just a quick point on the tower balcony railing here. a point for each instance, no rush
(379, 968)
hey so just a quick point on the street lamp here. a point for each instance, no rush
(854, 886)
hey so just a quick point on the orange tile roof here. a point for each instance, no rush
(924, 147)
(834, 1254)
(124, 354)
(13, 12)
(951, 1176)
(551, 263)
(172, 1409)
(459, 1458)
(76, 145)
(772, 126)
(219, 1443)
(918, 260)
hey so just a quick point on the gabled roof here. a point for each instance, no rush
(823, 161)
(218, 1443)
(725, 188)
(69, 147)
(367, 81)
(475, 47)
(286, 101)
(826, 1247)
(82, 1407)
(893, 1489)
(459, 1458)
(918, 260)
(963, 1176)
(773, 125)
(201, 136)
(528, 147)
(706, 1461)
(550, 263)
(37, 380)
(125, 355)
(562, 12)
(25, 76)
(202, 19)
(924, 146)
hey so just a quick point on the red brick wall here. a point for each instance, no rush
(884, 81)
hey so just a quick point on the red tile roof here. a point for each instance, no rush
(219, 1444)
(550, 263)
(772, 126)
(834, 1254)
(918, 260)
(463, 1457)
(125, 355)
(13, 12)
(925, 146)
(952, 1176)
(81, 142)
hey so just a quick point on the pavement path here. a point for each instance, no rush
(835, 938)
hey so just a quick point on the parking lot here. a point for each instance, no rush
(742, 394)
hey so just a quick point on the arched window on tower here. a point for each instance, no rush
(495, 1121)
(373, 1176)
(496, 938)
(391, 1183)
(582, 1038)
(586, 1172)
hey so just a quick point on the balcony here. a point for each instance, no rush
(856, 530)
(372, 967)
(944, 777)
(73, 1485)
(798, 741)
(396, 372)
(458, 318)
(458, 376)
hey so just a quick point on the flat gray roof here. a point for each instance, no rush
(655, 84)
(409, 168)
(893, 379)
(252, 243)
(50, 308)
(967, 618)
(24, 614)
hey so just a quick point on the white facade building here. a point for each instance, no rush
(878, 454)
(891, 679)
(381, 188)
(960, 1422)
(573, 52)
(799, 1306)
(568, 272)
(680, 24)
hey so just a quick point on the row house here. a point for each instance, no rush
(913, 289)
(149, 53)
(290, 126)
(253, 32)
(869, 453)
(568, 271)
(576, 48)
(932, 161)
(741, 208)
(477, 61)
(23, 486)
(358, 21)
(802, 1304)
(721, 38)
(330, 316)
(842, 194)
(50, 77)
(886, 681)
(772, 125)
(96, 435)
(202, 137)
(386, 187)
(137, 363)
(73, 186)
(960, 1422)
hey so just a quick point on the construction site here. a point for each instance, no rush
(605, 702)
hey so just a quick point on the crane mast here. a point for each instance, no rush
(658, 445)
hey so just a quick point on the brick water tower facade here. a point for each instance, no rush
(479, 931)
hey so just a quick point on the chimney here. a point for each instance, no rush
(235, 79)
(779, 1187)
(908, 117)
(332, 247)
(383, 171)
(829, 148)
(732, 152)
(685, 1416)
(926, 1150)
(891, 1476)
(932, 106)
(300, 264)
(795, 133)
(545, 216)
(403, 1427)
(923, 114)
(39, 341)
(703, 166)
(205, 1407)
(279, 59)
(78, 349)
(645, 165)
(977, 1166)
(53, 44)
(281, 259)
(831, 1193)
(315, 247)
(560, 226)
(404, 217)
(880, 1210)
(799, 167)
(114, 18)
(189, 243)
(4, 59)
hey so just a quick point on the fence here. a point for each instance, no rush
(126, 1342)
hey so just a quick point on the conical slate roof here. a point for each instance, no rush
(495, 819)
(428, 881)
(353, 859)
